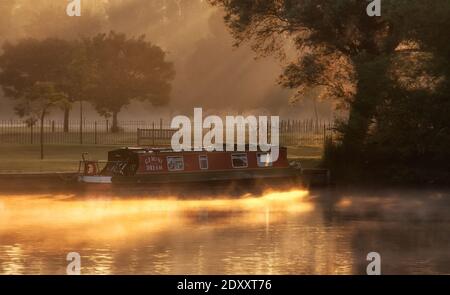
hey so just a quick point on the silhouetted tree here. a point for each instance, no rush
(336, 40)
(351, 56)
(127, 69)
(81, 77)
(32, 61)
(36, 103)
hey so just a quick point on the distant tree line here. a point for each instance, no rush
(391, 74)
(107, 71)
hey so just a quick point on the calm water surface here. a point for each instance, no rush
(277, 232)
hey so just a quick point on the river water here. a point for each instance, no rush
(275, 232)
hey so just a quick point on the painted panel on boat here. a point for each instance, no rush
(151, 163)
(190, 161)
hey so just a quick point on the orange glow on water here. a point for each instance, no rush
(277, 232)
(344, 203)
(117, 219)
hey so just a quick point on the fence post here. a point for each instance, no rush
(31, 127)
(95, 132)
(138, 137)
(330, 128)
(324, 134)
(81, 132)
(107, 126)
(153, 134)
(160, 136)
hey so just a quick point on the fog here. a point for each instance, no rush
(211, 73)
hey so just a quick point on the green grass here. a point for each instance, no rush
(65, 158)
(58, 158)
(309, 156)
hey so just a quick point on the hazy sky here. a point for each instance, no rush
(210, 72)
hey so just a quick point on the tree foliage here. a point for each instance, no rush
(31, 61)
(384, 70)
(107, 70)
(127, 69)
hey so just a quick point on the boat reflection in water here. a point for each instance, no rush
(277, 232)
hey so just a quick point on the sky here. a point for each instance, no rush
(210, 72)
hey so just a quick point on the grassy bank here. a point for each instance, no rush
(309, 156)
(65, 158)
(58, 158)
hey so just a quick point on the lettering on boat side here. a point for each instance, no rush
(153, 164)
(374, 267)
(237, 129)
(74, 267)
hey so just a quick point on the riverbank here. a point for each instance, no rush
(58, 158)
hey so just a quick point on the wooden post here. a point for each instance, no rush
(290, 132)
(95, 132)
(161, 130)
(41, 136)
(138, 137)
(107, 126)
(324, 134)
(81, 122)
(153, 134)
(31, 127)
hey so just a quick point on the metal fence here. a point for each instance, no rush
(306, 132)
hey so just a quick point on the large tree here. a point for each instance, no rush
(128, 68)
(337, 43)
(32, 61)
(81, 77)
(340, 49)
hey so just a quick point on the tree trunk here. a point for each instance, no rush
(372, 82)
(115, 123)
(81, 122)
(42, 135)
(358, 124)
(66, 119)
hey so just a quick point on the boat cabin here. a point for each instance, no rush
(148, 163)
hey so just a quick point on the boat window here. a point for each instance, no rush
(264, 160)
(239, 160)
(203, 161)
(175, 163)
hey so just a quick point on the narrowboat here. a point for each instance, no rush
(165, 166)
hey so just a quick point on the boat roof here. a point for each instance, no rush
(139, 150)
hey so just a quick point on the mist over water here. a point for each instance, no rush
(276, 232)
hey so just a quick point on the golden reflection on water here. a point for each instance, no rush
(277, 232)
(47, 225)
(114, 218)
